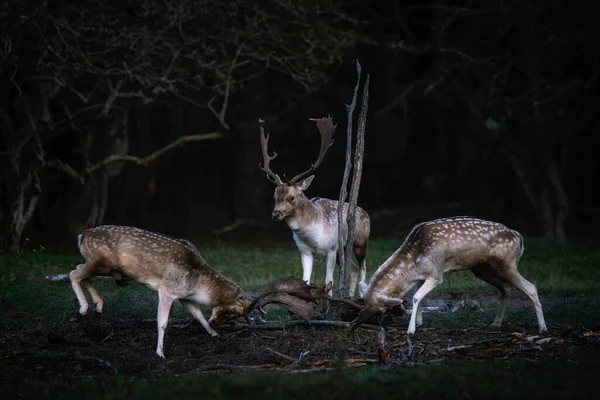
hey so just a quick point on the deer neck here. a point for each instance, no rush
(215, 289)
(305, 214)
(394, 278)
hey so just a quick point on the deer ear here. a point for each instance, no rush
(305, 183)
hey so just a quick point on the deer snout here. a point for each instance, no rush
(277, 215)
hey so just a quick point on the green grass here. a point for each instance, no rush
(558, 271)
(563, 275)
(546, 378)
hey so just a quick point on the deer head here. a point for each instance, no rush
(289, 195)
(223, 314)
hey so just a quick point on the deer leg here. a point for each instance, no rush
(419, 311)
(361, 257)
(516, 280)
(197, 313)
(353, 278)
(428, 286)
(307, 266)
(164, 309)
(77, 276)
(331, 259)
(487, 274)
(98, 302)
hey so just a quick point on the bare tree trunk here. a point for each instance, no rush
(562, 203)
(356, 177)
(20, 186)
(343, 274)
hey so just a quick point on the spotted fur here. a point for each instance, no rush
(489, 249)
(172, 267)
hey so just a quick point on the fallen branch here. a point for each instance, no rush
(381, 349)
(44, 355)
(281, 355)
(410, 348)
(230, 367)
(338, 324)
(460, 347)
(349, 361)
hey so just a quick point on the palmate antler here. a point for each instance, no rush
(296, 296)
(326, 130)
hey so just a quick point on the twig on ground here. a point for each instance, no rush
(410, 347)
(108, 337)
(302, 354)
(383, 359)
(288, 358)
(459, 347)
(339, 324)
(230, 367)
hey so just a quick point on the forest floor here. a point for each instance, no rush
(47, 353)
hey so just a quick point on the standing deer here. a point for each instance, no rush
(314, 222)
(489, 249)
(172, 267)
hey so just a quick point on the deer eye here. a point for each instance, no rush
(232, 311)
(291, 198)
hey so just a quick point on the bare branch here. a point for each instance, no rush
(143, 161)
(343, 280)
(148, 159)
(66, 169)
(356, 173)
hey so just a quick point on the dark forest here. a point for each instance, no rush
(480, 108)
(140, 142)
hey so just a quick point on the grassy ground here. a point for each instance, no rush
(567, 278)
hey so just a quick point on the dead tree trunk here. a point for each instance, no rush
(20, 188)
(343, 281)
(356, 177)
(347, 226)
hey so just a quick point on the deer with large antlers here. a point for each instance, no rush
(314, 222)
(489, 249)
(172, 267)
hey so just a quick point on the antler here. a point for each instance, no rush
(326, 130)
(264, 143)
(296, 295)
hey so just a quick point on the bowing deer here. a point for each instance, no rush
(314, 222)
(489, 249)
(172, 267)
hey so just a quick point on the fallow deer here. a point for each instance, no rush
(314, 222)
(172, 267)
(489, 249)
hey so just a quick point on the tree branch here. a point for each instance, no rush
(357, 172)
(143, 161)
(148, 159)
(343, 274)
